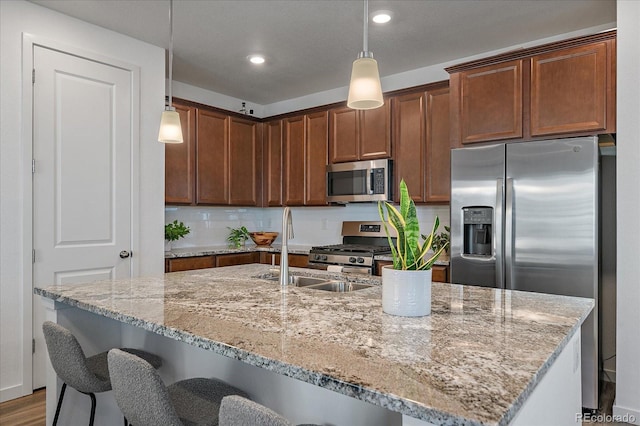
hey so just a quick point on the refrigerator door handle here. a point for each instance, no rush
(508, 235)
(497, 234)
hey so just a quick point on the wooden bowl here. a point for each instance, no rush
(263, 239)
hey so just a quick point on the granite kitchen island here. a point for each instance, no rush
(484, 356)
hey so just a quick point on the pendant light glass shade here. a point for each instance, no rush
(365, 91)
(170, 128)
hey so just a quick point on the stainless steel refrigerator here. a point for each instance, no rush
(524, 216)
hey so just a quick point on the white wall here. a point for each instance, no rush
(18, 17)
(311, 225)
(628, 205)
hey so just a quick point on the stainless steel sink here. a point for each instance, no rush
(321, 283)
(300, 281)
(339, 286)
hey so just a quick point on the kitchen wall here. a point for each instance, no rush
(311, 225)
(628, 205)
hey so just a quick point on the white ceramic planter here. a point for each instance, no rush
(406, 293)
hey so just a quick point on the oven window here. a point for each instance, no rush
(352, 182)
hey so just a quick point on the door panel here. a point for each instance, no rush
(555, 219)
(476, 181)
(293, 173)
(212, 167)
(243, 162)
(82, 127)
(316, 156)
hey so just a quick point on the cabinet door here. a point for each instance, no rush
(211, 153)
(344, 135)
(375, 132)
(295, 260)
(440, 273)
(438, 148)
(273, 164)
(237, 259)
(180, 160)
(293, 173)
(316, 155)
(409, 149)
(189, 263)
(491, 102)
(244, 157)
(569, 90)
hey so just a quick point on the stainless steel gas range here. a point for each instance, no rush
(361, 242)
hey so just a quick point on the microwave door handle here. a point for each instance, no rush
(370, 182)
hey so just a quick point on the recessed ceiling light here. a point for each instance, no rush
(381, 17)
(256, 59)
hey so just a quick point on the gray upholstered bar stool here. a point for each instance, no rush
(146, 401)
(86, 375)
(238, 411)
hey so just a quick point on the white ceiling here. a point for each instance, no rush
(310, 44)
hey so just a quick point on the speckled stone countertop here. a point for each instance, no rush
(223, 249)
(474, 361)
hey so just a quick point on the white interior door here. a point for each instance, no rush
(82, 127)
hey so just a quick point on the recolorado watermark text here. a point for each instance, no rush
(604, 418)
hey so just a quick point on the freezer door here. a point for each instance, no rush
(551, 232)
(477, 180)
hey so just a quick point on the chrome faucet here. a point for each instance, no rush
(287, 233)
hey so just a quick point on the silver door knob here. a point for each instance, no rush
(124, 254)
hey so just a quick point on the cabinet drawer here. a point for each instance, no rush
(296, 260)
(189, 263)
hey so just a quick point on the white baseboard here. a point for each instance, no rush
(12, 392)
(628, 415)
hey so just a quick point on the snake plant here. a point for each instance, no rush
(408, 252)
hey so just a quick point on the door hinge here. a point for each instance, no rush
(33, 346)
(33, 256)
(33, 165)
(33, 76)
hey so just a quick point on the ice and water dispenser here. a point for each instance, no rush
(477, 222)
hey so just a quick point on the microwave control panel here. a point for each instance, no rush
(378, 181)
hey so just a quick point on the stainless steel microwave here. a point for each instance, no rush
(359, 181)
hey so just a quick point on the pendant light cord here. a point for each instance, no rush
(365, 36)
(170, 52)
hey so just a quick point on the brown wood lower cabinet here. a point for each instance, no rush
(231, 259)
(237, 259)
(189, 263)
(439, 273)
(296, 260)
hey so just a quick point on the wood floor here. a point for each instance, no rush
(26, 411)
(30, 410)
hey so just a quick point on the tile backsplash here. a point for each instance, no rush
(312, 225)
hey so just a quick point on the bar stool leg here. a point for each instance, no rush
(93, 408)
(55, 419)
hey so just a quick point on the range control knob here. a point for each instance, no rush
(324, 257)
(361, 260)
(352, 260)
(317, 257)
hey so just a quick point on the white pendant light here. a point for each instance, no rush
(365, 91)
(170, 128)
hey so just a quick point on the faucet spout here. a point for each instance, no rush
(287, 233)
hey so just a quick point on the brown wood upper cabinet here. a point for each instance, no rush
(272, 175)
(180, 160)
(565, 88)
(219, 163)
(421, 144)
(305, 153)
(359, 135)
